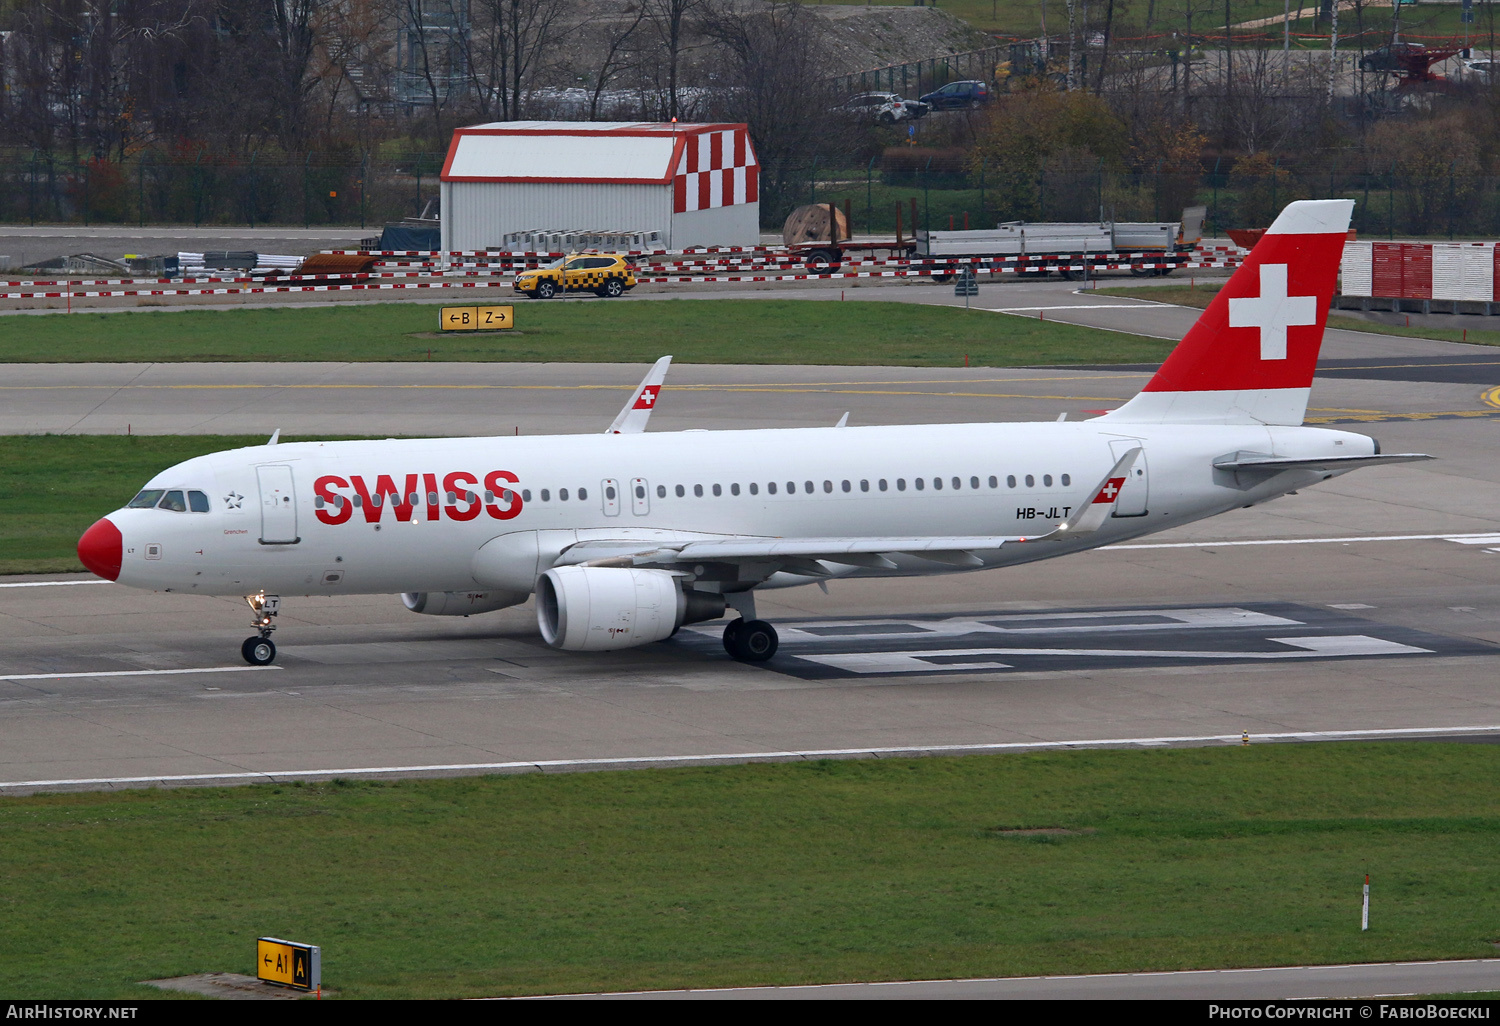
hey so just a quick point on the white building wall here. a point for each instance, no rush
(479, 214)
(737, 225)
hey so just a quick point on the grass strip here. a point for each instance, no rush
(1200, 296)
(1063, 862)
(737, 331)
(52, 487)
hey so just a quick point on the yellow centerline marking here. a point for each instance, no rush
(728, 386)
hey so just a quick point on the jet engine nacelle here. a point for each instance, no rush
(595, 609)
(460, 603)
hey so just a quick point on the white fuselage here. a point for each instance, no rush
(268, 530)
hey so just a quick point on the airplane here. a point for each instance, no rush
(623, 537)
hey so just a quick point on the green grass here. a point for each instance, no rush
(741, 331)
(766, 874)
(1200, 296)
(52, 487)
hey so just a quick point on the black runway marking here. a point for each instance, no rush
(1005, 643)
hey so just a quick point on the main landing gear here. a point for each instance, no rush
(750, 641)
(261, 650)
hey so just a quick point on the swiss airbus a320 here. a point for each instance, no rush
(624, 537)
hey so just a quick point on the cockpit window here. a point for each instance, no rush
(173, 501)
(197, 502)
(146, 499)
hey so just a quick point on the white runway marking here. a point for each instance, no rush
(922, 661)
(50, 584)
(135, 673)
(1485, 538)
(830, 753)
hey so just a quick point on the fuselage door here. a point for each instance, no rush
(1134, 496)
(640, 496)
(278, 506)
(611, 492)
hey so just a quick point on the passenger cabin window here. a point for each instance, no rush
(698, 491)
(734, 489)
(583, 494)
(661, 491)
(771, 488)
(1066, 480)
(754, 488)
(546, 495)
(1030, 481)
(1010, 480)
(680, 491)
(1047, 480)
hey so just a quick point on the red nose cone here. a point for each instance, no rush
(101, 549)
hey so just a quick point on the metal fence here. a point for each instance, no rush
(319, 189)
(1438, 204)
(308, 189)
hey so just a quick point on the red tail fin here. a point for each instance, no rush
(1250, 357)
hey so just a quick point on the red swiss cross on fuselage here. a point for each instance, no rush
(1110, 490)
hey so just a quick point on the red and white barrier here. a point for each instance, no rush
(1422, 270)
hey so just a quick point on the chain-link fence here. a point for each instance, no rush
(933, 189)
(1440, 203)
(309, 189)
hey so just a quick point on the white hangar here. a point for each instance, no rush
(698, 185)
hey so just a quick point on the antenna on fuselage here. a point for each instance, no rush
(275, 437)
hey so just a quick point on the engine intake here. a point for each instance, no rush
(596, 609)
(460, 603)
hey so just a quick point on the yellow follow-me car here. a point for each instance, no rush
(609, 276)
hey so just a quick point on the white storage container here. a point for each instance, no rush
(1355, 271)
(1463, 270)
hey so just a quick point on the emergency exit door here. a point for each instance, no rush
(1137, 490)
(278, 506)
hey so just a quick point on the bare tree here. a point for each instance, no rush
(618, 42)
(774, 82)
(669, 18)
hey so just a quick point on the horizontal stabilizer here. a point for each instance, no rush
(1272, 464)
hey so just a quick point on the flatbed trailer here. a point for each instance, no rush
(1152, 248)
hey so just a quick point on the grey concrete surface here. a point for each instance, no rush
(1279, 983)
(88, 689)
(364, 683)
(21, 245)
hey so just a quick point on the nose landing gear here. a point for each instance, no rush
(261, 650)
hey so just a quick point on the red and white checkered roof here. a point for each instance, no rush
(706, 165)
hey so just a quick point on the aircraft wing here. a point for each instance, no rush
(820, 557)
(797, 555)
(632, 419)
(1272, 464)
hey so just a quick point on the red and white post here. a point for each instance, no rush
(1364, 916)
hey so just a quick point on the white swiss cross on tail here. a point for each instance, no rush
(1221, 373)
(1273, 311)
(647, 397)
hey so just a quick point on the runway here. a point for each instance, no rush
(1277, 983)
(1368, 604)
